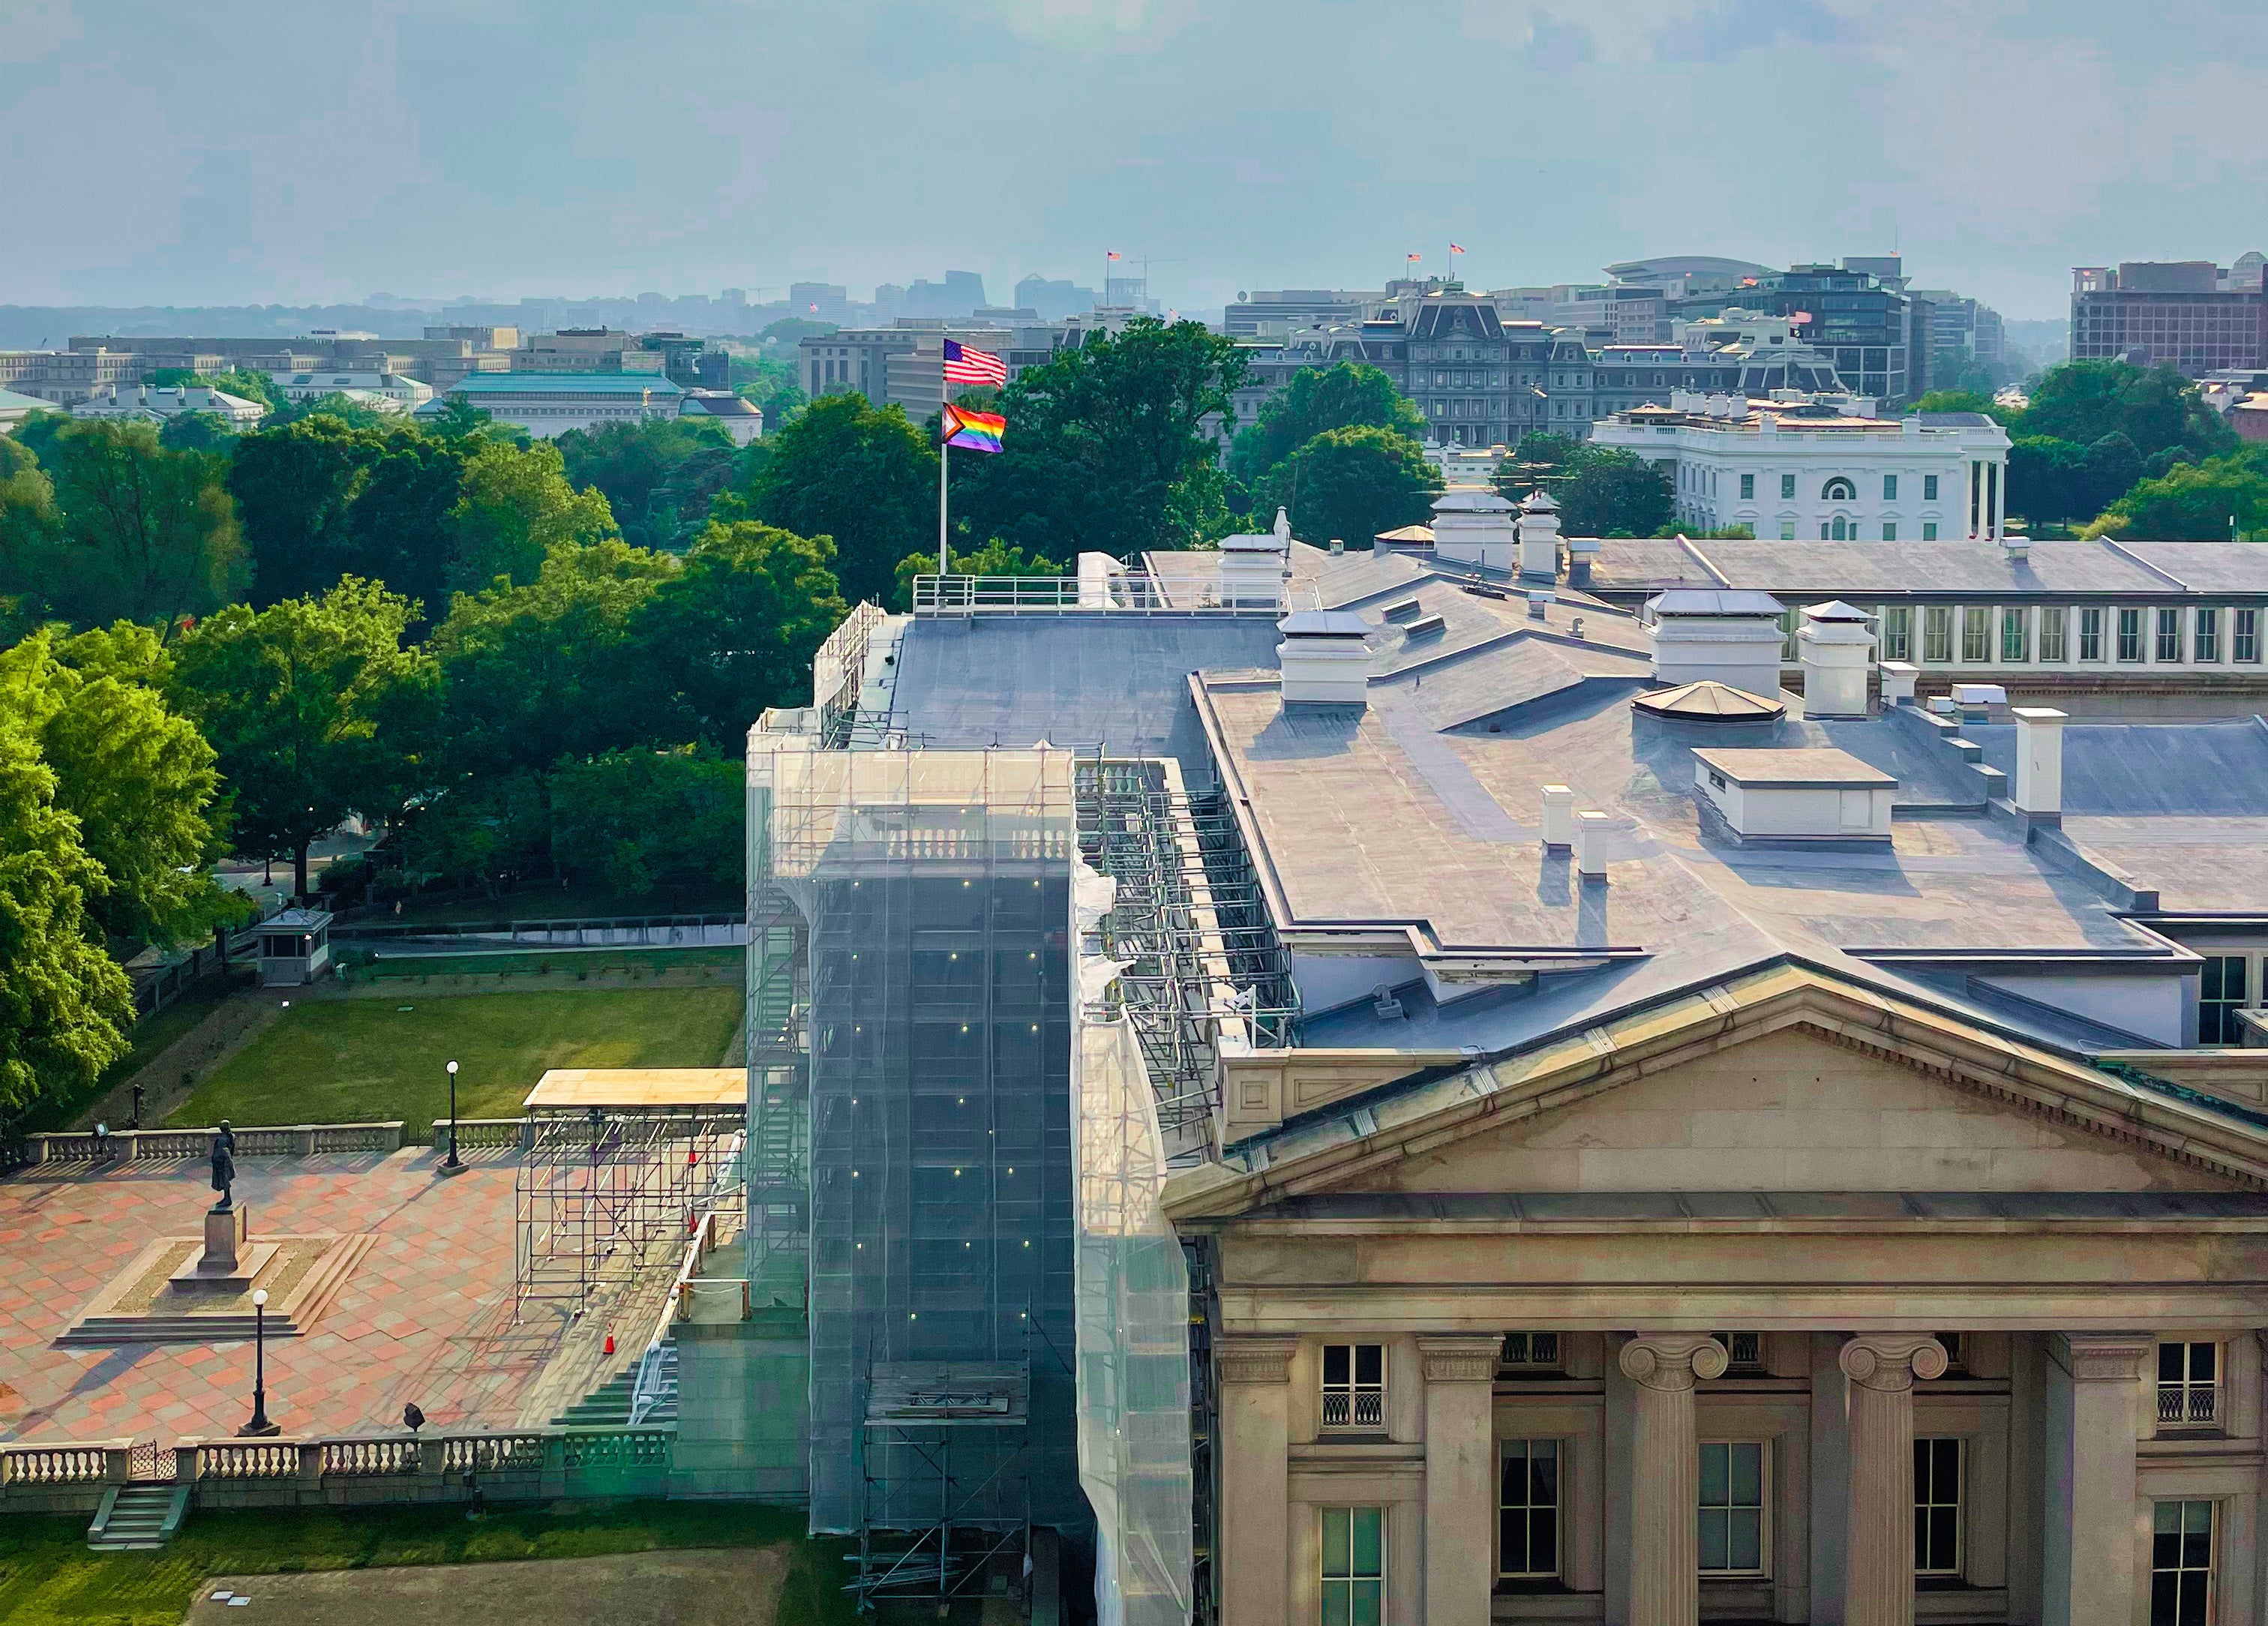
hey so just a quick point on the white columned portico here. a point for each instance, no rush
(2087, 1549)
(1255, 1525)
(1460, 1474)
(1878, 1540)
(1665, 1558)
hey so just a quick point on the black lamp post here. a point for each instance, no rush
(260, 1426)
(453, 1164)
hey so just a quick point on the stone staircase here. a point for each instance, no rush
(608, 1405)
(138, 1518)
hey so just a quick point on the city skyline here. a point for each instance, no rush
(862, 145)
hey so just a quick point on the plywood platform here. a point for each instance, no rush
(635, 1087)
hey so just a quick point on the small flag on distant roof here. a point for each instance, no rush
(1411, 258)
(973, 431)
(965, 364)
(1456, 248)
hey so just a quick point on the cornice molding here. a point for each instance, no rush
(2101, 1357)
(1459, 1358)
(1263, 1359)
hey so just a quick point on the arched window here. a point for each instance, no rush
(1839, 490)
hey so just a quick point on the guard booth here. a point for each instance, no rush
(295, 947)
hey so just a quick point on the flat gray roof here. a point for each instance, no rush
(1855, 569)
(1798, 768)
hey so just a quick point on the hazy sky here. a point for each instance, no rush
(321, 149)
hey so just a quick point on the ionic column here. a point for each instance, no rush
(1460, 1475)
(1878, 1563)
(2088, 1569)
(1256, 1514)
(1664, 1554)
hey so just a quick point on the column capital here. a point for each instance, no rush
(1459, 1358)
(1255, 1358)
(1891, 1361)
(1671, 1361)
(2100, 1358)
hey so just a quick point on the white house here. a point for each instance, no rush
(1796, 466)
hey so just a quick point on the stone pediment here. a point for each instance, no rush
(1783, 1080)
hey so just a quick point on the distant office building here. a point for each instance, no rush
(480, 338)
(2188, 313)
(959, 294)
(687, 361)
(586, 350)
(851, 358)
(889, 301)
(1283, 309)
(1602, 313)
(1959, 323)
(546, 405)
(827, 302)
(1862, 319)
(149, 404)
(1051, 301)
(743, 419)
(65, 378)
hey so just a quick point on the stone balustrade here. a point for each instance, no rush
(296, 1140)
(487, 1133)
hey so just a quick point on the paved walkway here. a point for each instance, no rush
(425, 1316)
(734, 1588)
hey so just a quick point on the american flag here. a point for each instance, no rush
(964, 366)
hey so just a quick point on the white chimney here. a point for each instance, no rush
(2018, 545)
(1898, 680)
(2039, 762)
(1593, 831)
(1539, 537)
(1324, 660)
(1729, 634)
(1837, 651)
(1252, 567)
(1558, 818)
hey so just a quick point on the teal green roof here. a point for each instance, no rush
(477, 384)
(10, 401)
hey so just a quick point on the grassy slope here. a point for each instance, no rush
(48, 1578)
(148, 1037)
(367, 1060)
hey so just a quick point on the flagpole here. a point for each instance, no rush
(944, 563)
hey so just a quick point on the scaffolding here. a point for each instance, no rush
(621, 1167)
(981, 1531)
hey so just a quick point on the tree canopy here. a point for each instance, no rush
(1345, 395)
(861, 476)
(1349, 484)
(2212, 500)
(657, 474)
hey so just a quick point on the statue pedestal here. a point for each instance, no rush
(231, 1259)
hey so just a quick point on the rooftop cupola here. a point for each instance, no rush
(1731, 636)
(1252, 566)
(1837, 649)
(1324, 659)
(1472, 525)
(1539, 537)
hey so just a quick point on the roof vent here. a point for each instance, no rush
(1401, 609)
(1708, 702)
(1838, 649)
(1324, 659)
(1798, 796)
(1426, 627)
(1383, 1004)
(1252, 566)
(1729, 635)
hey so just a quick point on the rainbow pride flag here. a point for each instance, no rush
(973, 431)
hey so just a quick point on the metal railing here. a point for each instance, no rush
(1133, 591)
(2186, 1404)
(487, 1133)
(1361, 1407)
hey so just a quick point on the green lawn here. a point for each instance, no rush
(360, 1061)
(568, 965)
(48, 1577)
(148, 1037)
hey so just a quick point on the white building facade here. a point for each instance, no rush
(1800, 467)
(546, 405)
(151, 404)
(409, 393)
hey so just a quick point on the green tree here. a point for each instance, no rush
(1346, 395)
(863, 477)
(645, 821)
(337, 404)
(657, 474)
(2082, 401)
(773, 383)
(995, 558)
(138, 776)
(2107, 472)
(514, 507)
(291, 697)
(1614, 493)
(1352, 483)
(1107, 447)
(734, 631)
(2045, 484)
(147, 534)
(2193, 503)
(65, 1004)
(31, 527)
(533, 673)
(197, 431)
(1540, 459)
(293, 485)
(400, 519)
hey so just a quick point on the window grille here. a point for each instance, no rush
(2054, 621)
(1531, 1349)
(2130, 634)
(2245, 643)
(1742, 1349)
(2204, 640)
(1976, 633)
(2186, 1384)
(2016, 635)
(1354, 1386)
(2090, 634)
(2221, 988)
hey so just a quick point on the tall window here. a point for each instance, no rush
(2245, 641)
(1929, 488)
(2090, 634)
(1528, 1508)
(2204, 635)
(1937, 632)
(1937, 1506)
(1749, 486)
(1354, 1566)
(2054, 620)
(1976, 633)
(2130, 634)
(2220, 995)
(1788, 648)
(2015, 635)
(2186, 1384)
(1354, 1386)
(1787, 485)
(2169, 635)
(1897, 633)
(1890, 487)
(2181, 1562)
(1731, 1508)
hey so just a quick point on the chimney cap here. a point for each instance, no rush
(1835, 609)
(1323, 624)
(1743, 603)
